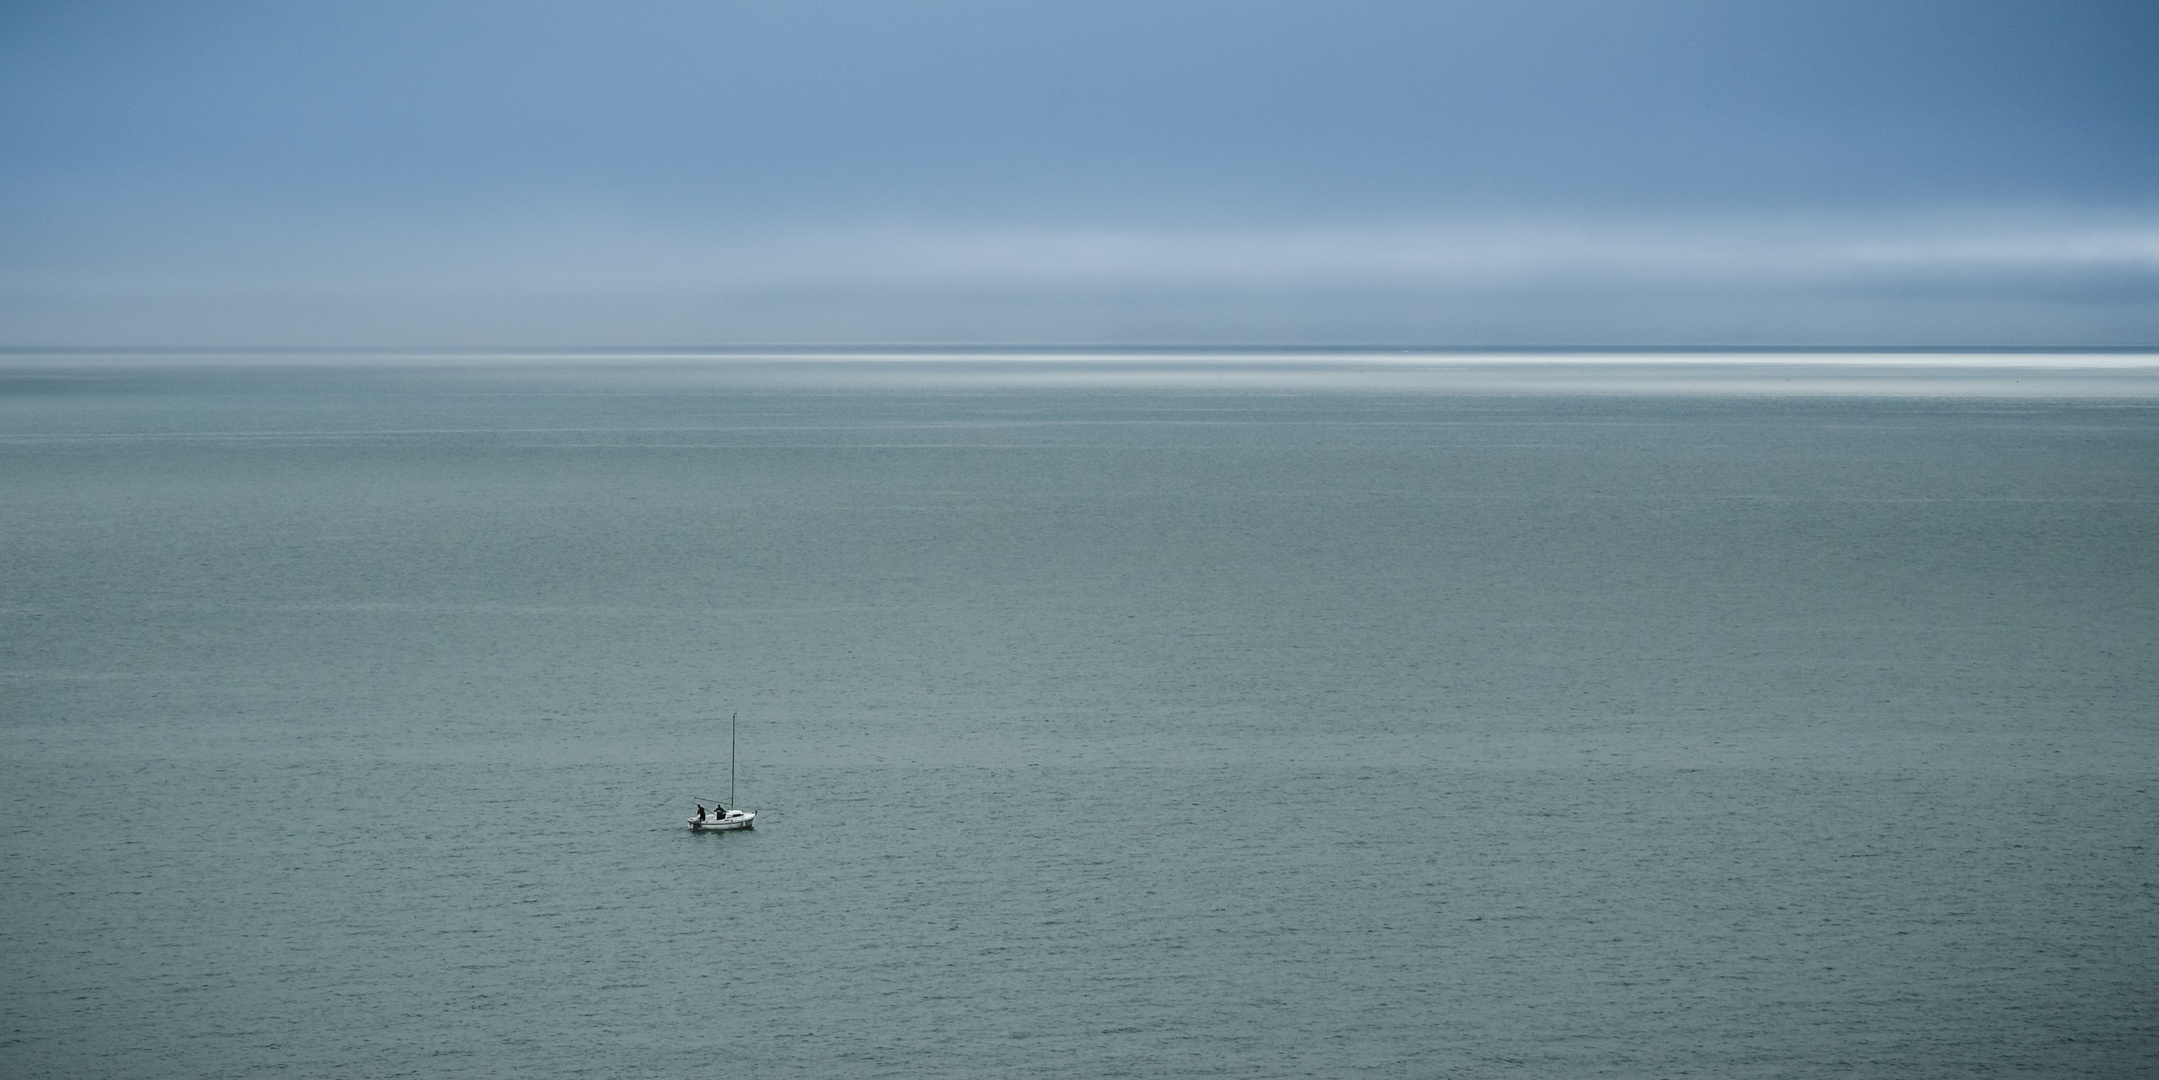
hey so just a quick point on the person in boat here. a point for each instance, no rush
(700, 811)
(718, 811)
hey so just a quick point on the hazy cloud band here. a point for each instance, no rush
(1982, 279)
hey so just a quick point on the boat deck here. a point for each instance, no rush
(733, 819)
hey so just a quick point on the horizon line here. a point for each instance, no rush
(1053, 348)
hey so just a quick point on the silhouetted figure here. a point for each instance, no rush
(700, 811)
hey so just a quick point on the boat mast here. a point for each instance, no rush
(731, 756)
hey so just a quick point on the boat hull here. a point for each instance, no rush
(733, 819)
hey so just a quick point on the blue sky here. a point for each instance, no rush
(1471, 173)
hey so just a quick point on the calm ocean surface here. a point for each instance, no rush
(1102, 726)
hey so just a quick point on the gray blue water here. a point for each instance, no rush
(349, 717)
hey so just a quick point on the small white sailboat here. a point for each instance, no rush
(721, 819)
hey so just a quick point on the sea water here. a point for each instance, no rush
(1116, 726)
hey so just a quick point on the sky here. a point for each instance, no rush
(1534, 172)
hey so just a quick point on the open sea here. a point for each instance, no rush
(1176, 715)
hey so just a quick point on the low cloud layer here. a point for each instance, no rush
(1979, 279)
